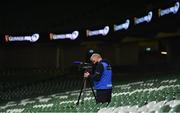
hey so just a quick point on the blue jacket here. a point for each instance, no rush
(103, 75)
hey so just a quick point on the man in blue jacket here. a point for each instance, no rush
(102, 78)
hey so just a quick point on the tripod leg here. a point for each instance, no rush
(81, 92)
(84, 88)
(92, 89)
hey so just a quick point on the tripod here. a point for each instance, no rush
(83, 88)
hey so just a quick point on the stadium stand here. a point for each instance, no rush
(158, 94)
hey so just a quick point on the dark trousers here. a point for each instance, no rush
(103, 95)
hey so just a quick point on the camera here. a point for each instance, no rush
(84, 66)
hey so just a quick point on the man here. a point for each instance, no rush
(102, 78)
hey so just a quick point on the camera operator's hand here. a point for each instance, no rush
(86, 74)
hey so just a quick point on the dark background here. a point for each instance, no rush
(126, 50)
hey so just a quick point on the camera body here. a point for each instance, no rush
(86, 67)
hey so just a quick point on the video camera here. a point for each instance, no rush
(84, 66)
